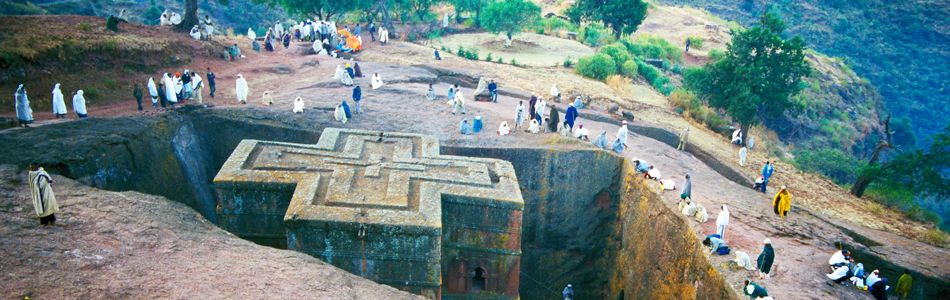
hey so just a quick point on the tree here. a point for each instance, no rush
(473, 6)
(322, 9)
(190, 19)
(509, 16)
(622, 16)
(920, 170)
(758, 74)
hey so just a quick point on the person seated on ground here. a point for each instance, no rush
(618, 146)
(840, 274)
(839, 258)
(755, 291)
(346, 110)
(564, 129)
(641, 166)
(578, 103)
(267, 99)
(758, 183)
(464, 128)
(687, 207)
(743, 261)
(534, 127)
(652, 173)
(873, 278)
(858, 277)
(298, 105)
(668, 184)
(477, 124)
(879, 289)
(430, 94)
(582, 133)
(340, 114)
(601, 140)
(715, 244)
(503, 128)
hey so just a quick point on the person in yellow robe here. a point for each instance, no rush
(782, 202)
(44, 201)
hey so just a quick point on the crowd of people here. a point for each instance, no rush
(846, 271)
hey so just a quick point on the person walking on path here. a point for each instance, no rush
(765, 260)
(782, 202)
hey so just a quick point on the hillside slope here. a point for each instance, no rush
(237, 14)
(899, 45)
(40, 51)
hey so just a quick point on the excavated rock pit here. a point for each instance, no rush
(586, 221)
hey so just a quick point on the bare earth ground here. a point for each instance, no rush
(108, 245)
(526, 48)
(803, 242)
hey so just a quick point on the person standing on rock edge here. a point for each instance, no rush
(41, 190)
(531, 106)
(152, 91)
(197, 85)
(782, 202)
(137, 93)
(79, 104)
(721, 221)
(241, 89)
(904, 284)
(765, 260)
(492, 89)
(570, 116)
(688, 190)
(24, 114)
(357, 96)
(59, 103)
(211, 77)
(683, 138)
(767, 171)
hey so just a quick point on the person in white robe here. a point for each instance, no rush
(430, 94)
(383, 35)
(563, 129)
(24, 114)
(195, 32)
(197, 86)
(317, 47)
(668, 184)
(208, 27)
(743, 152)
(459, 103)
(688, 208)
(539, 110)
(41, 192)
(555, 93)
(59, 103)
(578, 103)
(534, 127)
(601, 141)
(153, 91)
(340, 114)
(445, 20)
(582, 133)
(737, 137)
(721, 221)
(279, 29)
(179, 85)
(165, 19)
(503, 128)
(267, 99)
(742, 259)
(839, 258)
(170, 93)
(376, 81)
(621, 136)
(175, 18)
(298, 105)
(520, 115)
(654, 173)
(241, 89)
(79, 104)
(251, 34)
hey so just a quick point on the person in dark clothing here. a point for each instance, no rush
(162, 97)
(210, 76)
(554, 120)
(137, 93)
(754, 291)
(493, 90)
(879, 289)
(185, 92)
(357, 96)
(372, 30)
(437, 55)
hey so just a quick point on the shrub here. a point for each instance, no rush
(617, 52)
(554, 24)
(695, 42)
(595, 34)
(488, 57)
(834, 163)
(716, 55)
(650, 73)
(653, 47)
(445, 49)
(460, 52)
(935, 237)
(568, 63)
(500, 60)
(597, 66)
(83, 26)
(472, 54)
(514, 62)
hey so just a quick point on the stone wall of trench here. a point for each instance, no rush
(586, 222)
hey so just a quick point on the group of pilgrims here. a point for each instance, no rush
(844, 270)
(326, 37)
(24, 113)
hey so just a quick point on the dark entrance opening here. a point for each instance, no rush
(478, 282)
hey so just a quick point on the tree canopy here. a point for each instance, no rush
(622, 16)
(758, 74)
(323, 9)
(509, 16)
